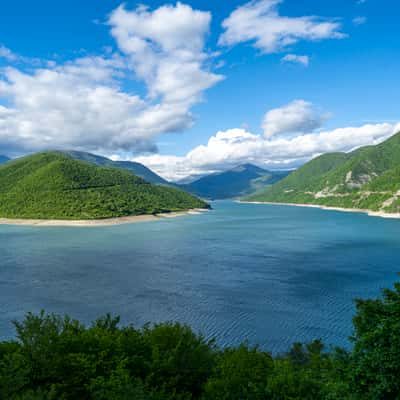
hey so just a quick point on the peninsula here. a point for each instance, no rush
(46, 188)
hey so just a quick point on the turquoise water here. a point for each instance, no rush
(267, 274)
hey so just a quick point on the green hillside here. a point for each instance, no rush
(54, 186)
(368, 178)
(134, 167)
(236, 182)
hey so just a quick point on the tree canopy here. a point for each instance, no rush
(57, 357)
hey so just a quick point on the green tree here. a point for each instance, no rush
(240, 373)
(376, 354)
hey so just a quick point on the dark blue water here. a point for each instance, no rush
(270, 275)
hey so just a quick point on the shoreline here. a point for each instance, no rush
(370, 213)
(99, 222)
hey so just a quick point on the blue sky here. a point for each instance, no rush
(195, 87)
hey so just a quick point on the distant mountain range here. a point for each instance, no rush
(3, 159)
(53, 185)
(234, 183)
(367, 178)
(237, 182)
(134, 167)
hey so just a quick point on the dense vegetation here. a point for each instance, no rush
(134, 167)
(52, 185)
(368, 178)
(60, 358)
(236, 182)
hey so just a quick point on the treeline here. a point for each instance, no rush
(60, 358)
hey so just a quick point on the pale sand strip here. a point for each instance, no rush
(371, 213)
(99, 222)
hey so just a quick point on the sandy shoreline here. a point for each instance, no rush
(99, 222)
(371, 213)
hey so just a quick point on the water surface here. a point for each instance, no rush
(267, 274)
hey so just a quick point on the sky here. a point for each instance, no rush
(196, 87)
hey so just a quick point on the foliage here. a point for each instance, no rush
(60, 358)
(52, 185)
(368, 178)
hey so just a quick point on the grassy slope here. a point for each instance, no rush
(367, 178)
(236, 182)
(52, 185)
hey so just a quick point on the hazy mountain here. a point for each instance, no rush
(233, 183)
(52, 185)
(134, 167)
(368, 178)
(3, 159)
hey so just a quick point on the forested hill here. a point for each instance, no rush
(233, 183)
(52, 185)
(134, 167)
(367, 178)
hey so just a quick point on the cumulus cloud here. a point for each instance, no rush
(69, 106)
(166, 48)
(299, 116)
(297, 59)
(236, 146)
(82, 103)
(259, 22)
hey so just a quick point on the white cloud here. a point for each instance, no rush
(297, 59)
(259, 22)
(7, 54)
(236, 146)
(166, 48)
(69, 106)
(299, 116)
(82, 103)
(359, 21)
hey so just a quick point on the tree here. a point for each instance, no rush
(376, 354)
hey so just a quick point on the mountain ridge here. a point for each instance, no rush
(3, 159)
(136, 168)
(366, 179)
(238, 181)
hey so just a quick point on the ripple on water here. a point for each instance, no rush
(266, 274)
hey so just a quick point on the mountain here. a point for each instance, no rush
(134, 167)
(236, 182)
(367, 178)
(3, 159)
(52, 185)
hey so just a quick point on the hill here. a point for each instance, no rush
(134, 167)
(367, 178)
(3, 159)
(236, 182)
(54, 186)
